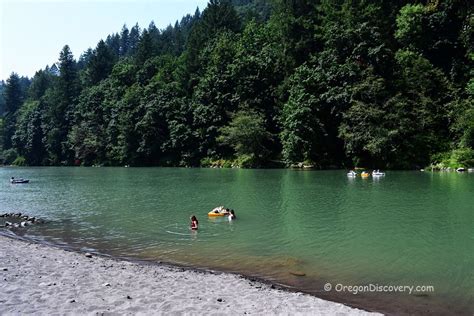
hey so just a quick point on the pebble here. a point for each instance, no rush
(129, 297)
(219, 299)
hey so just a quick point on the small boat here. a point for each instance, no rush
(377, 173)
(352, 174)
(219, 211)
(461, 169)
(365, 174)
(19, 181)
(470, 170)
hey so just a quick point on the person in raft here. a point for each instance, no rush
(232, 215)
(194, 223)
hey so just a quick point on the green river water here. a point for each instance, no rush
(407, 228)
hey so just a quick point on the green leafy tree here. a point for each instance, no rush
(152, 127)
(401, 130)
(410, 26)
(88, 135)
(365, 128)
(213, 95)
(258, 70)
(246, 134)
(439, 30)
(124, 72)
(352, 48)
(28, 138)
(296, 23)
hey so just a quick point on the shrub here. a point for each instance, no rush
(20, 161)
(461, 157)
(246, 161)
(9, 156)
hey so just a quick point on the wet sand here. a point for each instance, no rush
(41, 279)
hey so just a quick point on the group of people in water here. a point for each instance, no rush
(221, 211)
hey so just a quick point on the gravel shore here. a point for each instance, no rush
(45, 280)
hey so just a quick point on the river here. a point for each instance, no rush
(301, 229)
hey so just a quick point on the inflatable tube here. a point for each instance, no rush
(218, 211)
(212, 214)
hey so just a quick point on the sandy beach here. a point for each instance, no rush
(41, 279)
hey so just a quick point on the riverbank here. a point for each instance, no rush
(41, 279)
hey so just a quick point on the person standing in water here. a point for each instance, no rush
(232, 215)
(194, 223)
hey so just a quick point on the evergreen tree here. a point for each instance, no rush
(113, 43)
(2, 99)
(13, 96)
(134, 39)
(100, 63)
(61, 103)
(85, 58)
(54, 70)
(219, 16)
(144, 48)
(41, 81)
(124, 41)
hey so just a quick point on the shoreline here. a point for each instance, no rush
(40, 279)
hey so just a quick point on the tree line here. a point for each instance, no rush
(331, 83)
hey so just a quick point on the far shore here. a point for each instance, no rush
(297, 167)
(41, 279)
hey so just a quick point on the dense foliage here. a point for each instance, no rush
(333, 83)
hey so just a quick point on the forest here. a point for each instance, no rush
(258, 83)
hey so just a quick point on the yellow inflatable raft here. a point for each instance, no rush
(218, 211)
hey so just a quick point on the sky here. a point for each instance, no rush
(33, 32)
